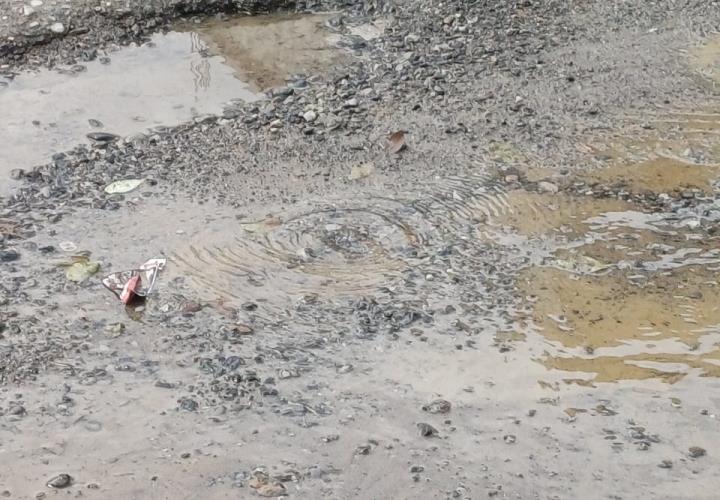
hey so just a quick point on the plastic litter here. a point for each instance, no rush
(136, 283)
(124, 186)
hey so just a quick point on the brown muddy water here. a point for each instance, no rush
(265, 50)
(174, 78)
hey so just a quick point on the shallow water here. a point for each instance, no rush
(343, 248)
(162, 83)
(265, 50)
(176, 77)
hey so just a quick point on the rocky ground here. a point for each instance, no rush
(340, 319)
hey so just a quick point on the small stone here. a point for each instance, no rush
(363, 449)
(17, 174)
(115, 330)
(547, 187)
(58, 28)
(666, 464)
(310, 116)
(28, 11)
(286, 374)
(9, 255)
(17, 410)
(102, 138)
(438, 406)
(509, 439)
(510, 179)
(345, 369)
(243, 329)
(188, 404)
(416, 469)
(427, 430)
(696, 452)
(60, 481)
(351, 103)
(271, 490)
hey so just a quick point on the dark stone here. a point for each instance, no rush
(9, 255)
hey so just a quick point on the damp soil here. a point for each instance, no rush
(470, 316)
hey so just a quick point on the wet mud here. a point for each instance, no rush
(373, 330)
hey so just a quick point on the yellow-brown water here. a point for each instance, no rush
(536, 214)
(267, 49)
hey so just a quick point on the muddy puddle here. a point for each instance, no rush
(173, 79)
(624, 293)
(265, 50)
(609, 288)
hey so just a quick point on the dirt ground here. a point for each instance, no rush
(413, 249)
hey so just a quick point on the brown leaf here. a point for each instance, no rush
(396, 142)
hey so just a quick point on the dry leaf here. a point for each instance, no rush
(396, 142)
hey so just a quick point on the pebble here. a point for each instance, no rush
(17, 174)
(271, 490)
(9, 255)
(188, 404)
(310, 116)
(102, 138)
(696, 452)
(427, 430)
(547, 187)
(438, 406)
(345, 369)
(60, 481)
(58, 28)
(363, 449)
